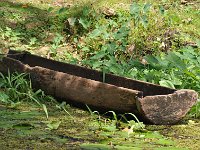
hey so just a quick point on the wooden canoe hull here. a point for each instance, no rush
(164, 106)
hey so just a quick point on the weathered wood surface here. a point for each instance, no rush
(164, 106)
(77, 89)
(167, 109)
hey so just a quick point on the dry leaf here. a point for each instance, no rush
(131, 48)
(25, 5)
(109, 12)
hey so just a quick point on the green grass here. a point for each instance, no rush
(21, 117)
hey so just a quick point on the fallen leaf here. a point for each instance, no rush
(53, 125)
(25, 5)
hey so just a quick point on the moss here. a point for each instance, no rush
(26, 126)
(184, 135)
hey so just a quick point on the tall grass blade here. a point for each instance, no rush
(45, 110)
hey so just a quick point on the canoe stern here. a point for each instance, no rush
(167, 109)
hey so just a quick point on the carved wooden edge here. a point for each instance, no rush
(11, 65)
(167, 109)
(77, 89)
(82, 90)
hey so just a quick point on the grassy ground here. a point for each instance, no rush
(76, 31)
(38, 22)
(26, 127)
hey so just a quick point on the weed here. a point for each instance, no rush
(56, 44)
(97, 119)
(53, 125)
(12, 37)
(195, 111)
(16, 88)
(64, 107)
(140, 13)
(105, 124)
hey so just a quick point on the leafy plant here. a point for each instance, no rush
(140, 13)
(56, 44)
(195, 111)
(64, 106)
(97, 119)
(16, 88)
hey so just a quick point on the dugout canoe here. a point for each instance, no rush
(79, 86)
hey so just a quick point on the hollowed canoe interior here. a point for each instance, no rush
(146, 88)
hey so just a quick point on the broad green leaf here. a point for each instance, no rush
(121, 33)
(111, 48)
(144, 20)
(110, 128)
(95, 33)
(137, 64)
(85, 23)
(152, 60)
(114, 69)
(176, 61)
(53, 125)
(162, 9)
(189, 50)
(186, 56)
(176, 81)
(4, 97)
(50, 9)
(86, 11)
(99, 55)
(163, 62)
(191, 75)
(133, 72)
(112, 60)
(96, 64)
(85, 49)
(146, 7)
(134, 8)
(62, 10)
(198, 59)
(165, 142)
(166, 83)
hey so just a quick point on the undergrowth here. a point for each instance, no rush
(16, 88)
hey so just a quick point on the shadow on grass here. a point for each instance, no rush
(36, 22)
(28, 21)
